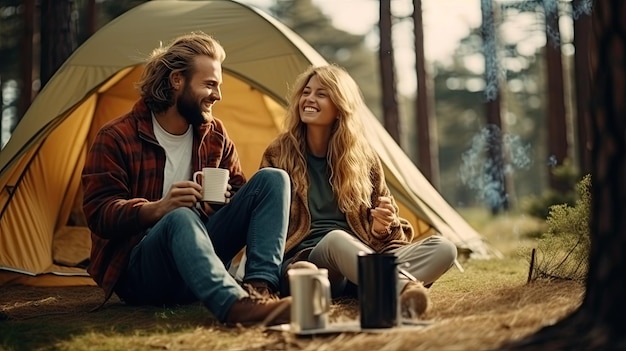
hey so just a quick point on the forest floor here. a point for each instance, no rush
(488, 305)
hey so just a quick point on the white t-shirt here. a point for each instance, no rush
(177, 154)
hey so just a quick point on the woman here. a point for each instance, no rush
(340, 202)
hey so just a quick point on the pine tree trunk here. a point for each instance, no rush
(606, 286)
(26, 96)
(582, 74)
(498, 200)
(427, 145)
(387, 72)
(557, 126)
(58, 36)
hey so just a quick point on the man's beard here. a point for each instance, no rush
(189, 108)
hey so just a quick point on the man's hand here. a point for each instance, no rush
(210, 209)
(181, 194)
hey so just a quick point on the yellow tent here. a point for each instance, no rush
(43, 240)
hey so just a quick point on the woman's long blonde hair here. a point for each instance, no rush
(349, 155)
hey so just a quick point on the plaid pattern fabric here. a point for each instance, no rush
(125, 169)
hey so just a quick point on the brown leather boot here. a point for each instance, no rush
(252, 310)
(260, 289)
(414, 300)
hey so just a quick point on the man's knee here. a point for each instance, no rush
(181, 220)
(180, 215)
(276, 176)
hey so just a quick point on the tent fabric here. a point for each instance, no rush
(40, 167)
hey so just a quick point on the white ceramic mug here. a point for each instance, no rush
(310, 293)
(214, 183)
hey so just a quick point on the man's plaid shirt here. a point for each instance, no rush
(125, 169)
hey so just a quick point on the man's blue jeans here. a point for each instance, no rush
(182, 259)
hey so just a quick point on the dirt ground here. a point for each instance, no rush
(477, 319)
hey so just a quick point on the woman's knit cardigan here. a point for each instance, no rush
(360, 221)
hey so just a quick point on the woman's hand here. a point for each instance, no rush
(384, 215)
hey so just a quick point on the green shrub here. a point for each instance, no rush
(539, 206)
(563, 250)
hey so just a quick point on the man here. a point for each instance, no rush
(154, 241)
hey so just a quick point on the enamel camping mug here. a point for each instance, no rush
(378, 290)
(310, 291)
(214, 184)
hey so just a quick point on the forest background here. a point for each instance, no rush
(514, 40)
